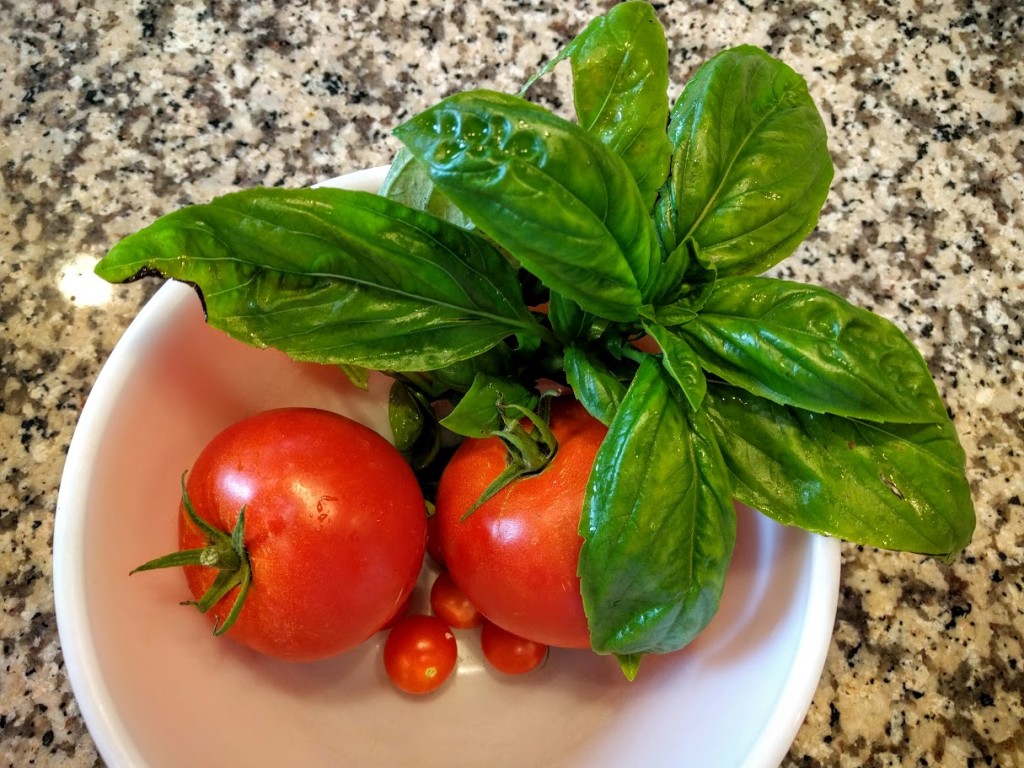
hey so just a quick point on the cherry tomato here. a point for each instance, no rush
(434, 541)
(515, 556)
(334, 528)
(509, 653)
(420, 654)
(450, 604)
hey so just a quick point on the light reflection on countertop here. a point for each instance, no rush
(80, 285)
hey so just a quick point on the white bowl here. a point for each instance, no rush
(156, 689)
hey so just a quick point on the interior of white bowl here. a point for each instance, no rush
(156, 689)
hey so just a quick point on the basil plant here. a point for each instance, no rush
(642, 230)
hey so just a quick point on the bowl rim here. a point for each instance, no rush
(778, 731)
(81, 659)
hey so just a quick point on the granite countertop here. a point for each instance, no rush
(112, 113)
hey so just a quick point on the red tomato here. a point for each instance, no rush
(420, 654)
(515, 557)
(509, 653)
(401, 613)
(450, 604)
(335, 529)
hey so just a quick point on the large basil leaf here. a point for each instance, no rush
(896, 486)
(554, 197)
(751, 168)
(334, 276)
(620, 90)
(408, 182)
(658, 523)
(802, 345)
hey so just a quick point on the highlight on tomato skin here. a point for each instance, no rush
(420, 654)
(509, 653)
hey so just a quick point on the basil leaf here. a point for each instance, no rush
(408, 182)
(570, 322)
(684, 308)
(802, 345)
(359, 376)
(593, 383)
(334, 276)
(673, 271)
(681, 363)
(683, 283)
(477, 415)
(751, 168)
(629, 663)
(896, 486)
(406, 417)
(620, 90)
(414, 429)
(556, 199)
(658, 524)
(459, 376)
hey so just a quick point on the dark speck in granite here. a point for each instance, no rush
(112, 113)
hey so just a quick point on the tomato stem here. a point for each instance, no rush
(224, 552)
(527, 452)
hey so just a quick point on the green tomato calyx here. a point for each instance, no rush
(223, 551)
(527, 452)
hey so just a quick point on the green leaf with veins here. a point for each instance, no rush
(658, 523)
(802, 345)
(561, 203)
(750, 168)
(620, 89)
(335, 276)
(408, 182)
(478, 412)
(896, 486)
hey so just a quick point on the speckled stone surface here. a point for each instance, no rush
(113, 112)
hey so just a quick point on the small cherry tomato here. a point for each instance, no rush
(509, 653)
(450, 603)
(420, 654)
